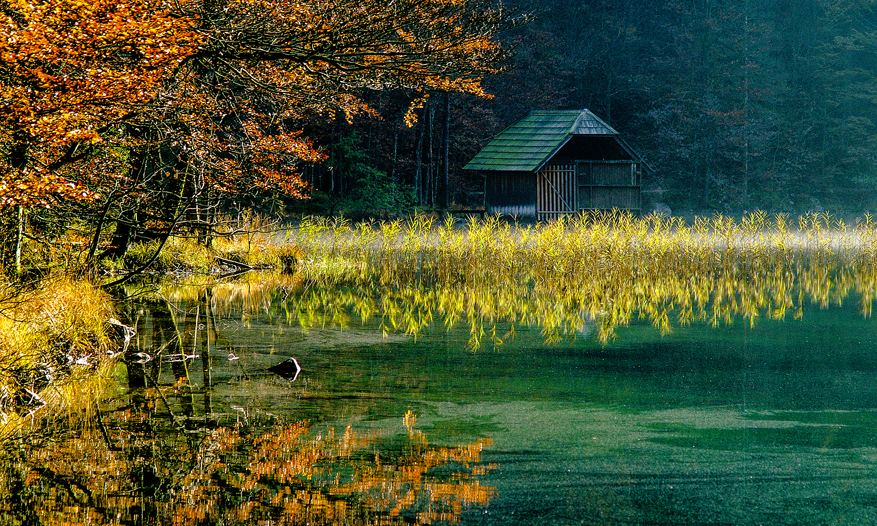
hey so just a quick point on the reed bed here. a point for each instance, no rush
(590, 271)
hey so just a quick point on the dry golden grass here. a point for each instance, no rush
(55, 351)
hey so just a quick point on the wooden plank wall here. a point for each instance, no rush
(606, 198)
(611, 174)
(607, 185)
(564, 188)
(511, 194)
(556, 191)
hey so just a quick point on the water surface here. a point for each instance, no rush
(764, 422)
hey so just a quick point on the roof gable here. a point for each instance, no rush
(530, 142)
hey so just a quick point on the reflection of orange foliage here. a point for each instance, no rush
(288, 475)
(398, 486)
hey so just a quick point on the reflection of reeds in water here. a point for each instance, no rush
(565, 276)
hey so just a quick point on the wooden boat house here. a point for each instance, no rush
(553, 163)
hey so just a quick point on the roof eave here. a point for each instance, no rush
(553, 153)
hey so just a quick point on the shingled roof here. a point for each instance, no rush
(529, 143)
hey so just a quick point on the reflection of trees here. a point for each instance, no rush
(179, 339)
(564, 277)
(129, 470)
(135, 465)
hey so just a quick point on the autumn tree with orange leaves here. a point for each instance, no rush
(147, 115)
(69, 71)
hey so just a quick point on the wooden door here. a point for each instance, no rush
(556, 191)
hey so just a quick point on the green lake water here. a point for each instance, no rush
(733, 425)
(767, 423)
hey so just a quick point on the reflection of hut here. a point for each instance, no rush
(552, 163)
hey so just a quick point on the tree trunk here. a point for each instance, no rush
(18, 239)
(122, 237)
(128, 217)
(446, 128)
(395, 152)
(98, 231)
(418, 166)
(12, 218)
(430, 166)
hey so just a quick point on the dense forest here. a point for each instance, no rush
(734, 104)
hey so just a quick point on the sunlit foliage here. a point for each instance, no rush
(214, 91)
(68, 71)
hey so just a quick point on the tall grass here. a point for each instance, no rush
(599, 270)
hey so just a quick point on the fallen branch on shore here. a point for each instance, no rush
(233, 263)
